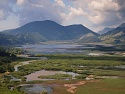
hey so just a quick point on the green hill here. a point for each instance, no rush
(88, 38)
(115, 36)
(6, 39)
(40, 31)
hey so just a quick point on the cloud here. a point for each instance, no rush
(107, 12)
(38, 10)
(60, 3)
(76, 12)
(1, 14)
(121, 11)
(104, 5)
(11, 21)
(30, 10)
(103, 12)
(73, 13)
(92, 13)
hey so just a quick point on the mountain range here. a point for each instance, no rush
(42, 31)
(115, 36)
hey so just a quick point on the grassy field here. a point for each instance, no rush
(105, 86)
(4, 90)
(100, 86)
(84, 66)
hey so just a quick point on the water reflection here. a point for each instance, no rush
(55, 48)
(35, 75)
(35, 89)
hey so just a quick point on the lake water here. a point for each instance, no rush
(56, 48)
(35, 75)
(35, 89)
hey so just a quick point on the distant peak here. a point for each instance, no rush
(122, 25)
(43, 21)
(106, 28)
(76, 25)
(48, 21)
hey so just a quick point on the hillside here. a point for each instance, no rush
(40, 31)
(105, 30)
(9, 40)
(88, 37)
(115, 36)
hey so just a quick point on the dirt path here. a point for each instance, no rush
(22, 63)
(72, 88)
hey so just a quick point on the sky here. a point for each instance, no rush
(94, 14)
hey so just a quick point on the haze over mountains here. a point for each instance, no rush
(105, 30)
(42, 31)
(116, 35)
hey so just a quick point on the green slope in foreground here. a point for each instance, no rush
(105, 86)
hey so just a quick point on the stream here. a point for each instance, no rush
(35, 89)
(22, 63)
(38, 88)
(30, 88)
(35, 75)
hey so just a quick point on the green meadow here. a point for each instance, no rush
(84, 65)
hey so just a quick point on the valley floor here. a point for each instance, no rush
(97, 74)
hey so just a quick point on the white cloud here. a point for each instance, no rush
(109, 12)
(10, 22)
(75, 12)
(27, 11)
(39, 10)
(89, 12)
(103, 12)
(20, 2)
(103, 5)
(1, 14)
(97, 18)
(60, 3)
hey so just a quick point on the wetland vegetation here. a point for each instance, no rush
(106, 74)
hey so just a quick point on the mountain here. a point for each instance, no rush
(115, 36)
(105, 30)
(89, 37)
(122, 25)
(9, 40)
(40, 31)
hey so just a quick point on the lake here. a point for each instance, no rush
(58, 49)
(35, 89)
(35, 75)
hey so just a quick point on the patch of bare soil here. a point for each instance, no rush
(72, 88)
